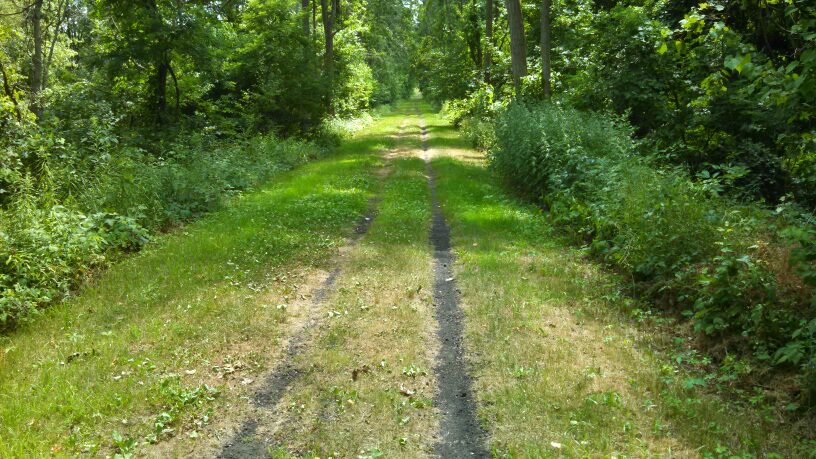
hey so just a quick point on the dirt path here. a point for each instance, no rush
(528, 359)
(455, 430)
(450, 323)
(256, 433)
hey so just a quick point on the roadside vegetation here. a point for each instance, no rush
(629, 186)
(671, 143)
(566, 362)
(121, 121)
(152, 346)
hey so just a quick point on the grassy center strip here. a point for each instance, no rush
(369, 389)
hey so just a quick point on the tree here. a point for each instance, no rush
(58, 16)
(35, 85)
(518, 46)
(545, 47)
(149, 41)
(488, 52)
(304, 11)
(276, 73)
(329, 14)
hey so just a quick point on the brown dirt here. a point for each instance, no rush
(461, 433)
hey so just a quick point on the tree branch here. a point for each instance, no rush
(10, 93)
(175, 84)
(15, 13)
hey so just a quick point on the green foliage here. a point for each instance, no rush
(475, 116)
(354, 85)
(683, 244)
(801, 349)
(568, 155)
(57, 230)
(447, 61)
(621, 70)
(720, 83)
(389, 40)
(283, 85)
(707, 85)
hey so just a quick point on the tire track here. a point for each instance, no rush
(275, 439)
(461, 434)
(246, 444)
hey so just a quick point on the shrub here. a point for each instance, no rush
(47, 248)
(475, 116)
(684, 244)
(55, 229)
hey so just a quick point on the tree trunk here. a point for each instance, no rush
(314, 23)
(518, 47)
(176, 86)
(162, 69)
(37, 58)
(488, 51)
(545, 47)
(329, 17)
(475, 40)
(62, 13)
(304, 6)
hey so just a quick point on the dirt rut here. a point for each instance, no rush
(461, 434)
(246, 443)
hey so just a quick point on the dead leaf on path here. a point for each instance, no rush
(228, 369)
(358, 371)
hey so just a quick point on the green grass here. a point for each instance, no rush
(560, 369)
(135, 344)
(381, 326)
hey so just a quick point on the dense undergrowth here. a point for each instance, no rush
(92, 200)
(740, 273)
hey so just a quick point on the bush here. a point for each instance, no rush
(346, 127)
(47, 249)
(55, 229)
(684, 244)
(475, 116)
